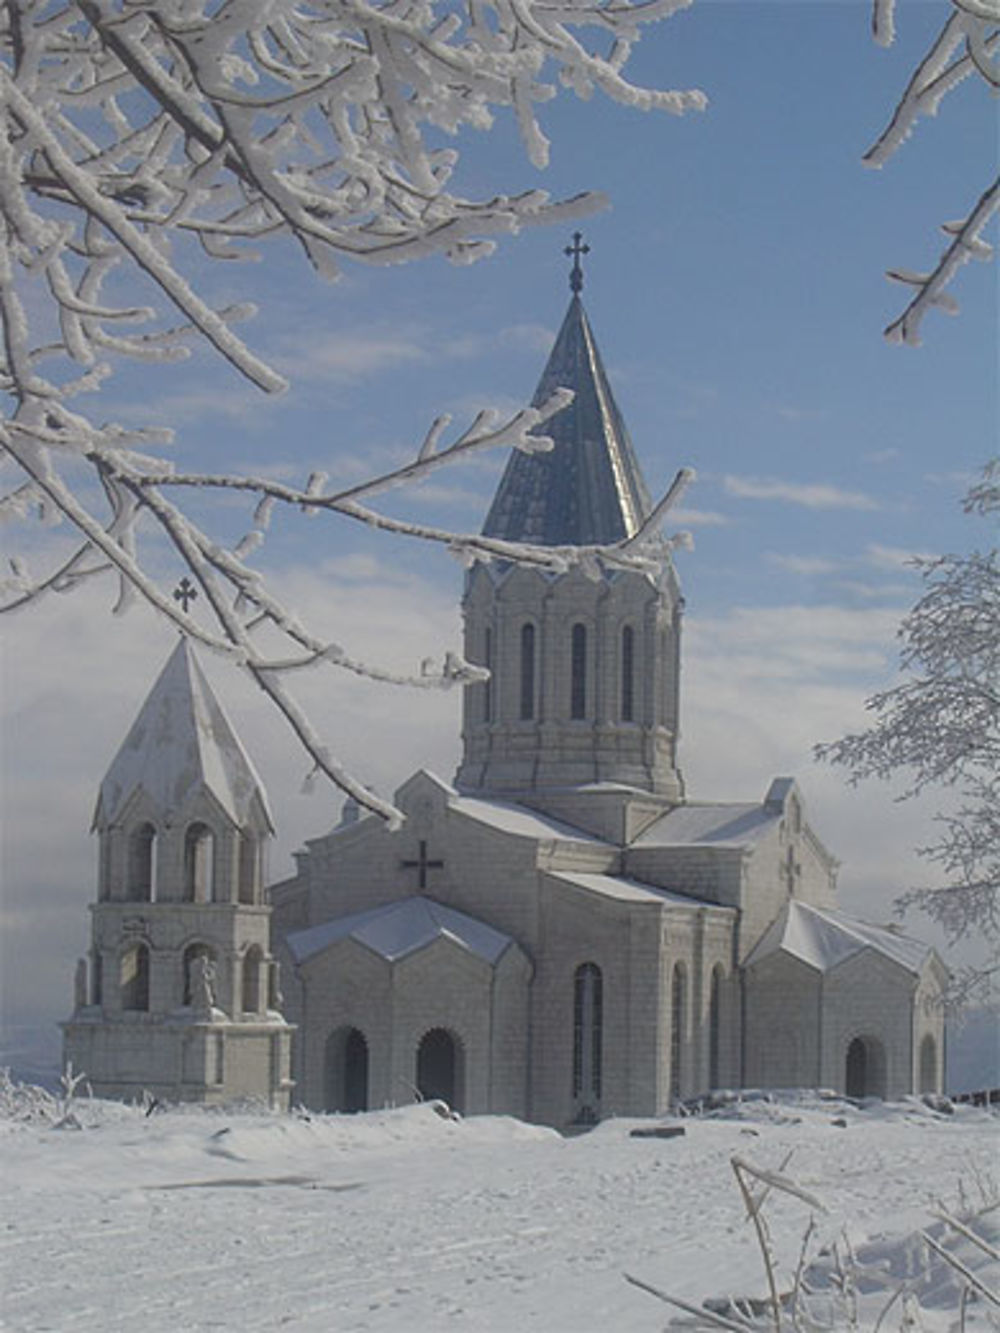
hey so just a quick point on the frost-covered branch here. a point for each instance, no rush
(140, 136)
(968, 45)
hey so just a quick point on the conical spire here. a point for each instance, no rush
(588, 489)
(181, 742)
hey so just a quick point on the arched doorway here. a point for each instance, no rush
(439, 1068)
(864, 1073)
(346, 1071)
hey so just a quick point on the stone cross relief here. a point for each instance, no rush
(421, 865)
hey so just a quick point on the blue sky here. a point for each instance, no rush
(735, 287)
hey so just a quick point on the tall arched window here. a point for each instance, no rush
(588, 1038)
(578, 672)
(527, 672)
(252, 962)
(199, 863)
(249, 867)
(141, 887)
(928, 1065)
(488, 684)
(134, 979)
(678, 998)
(715, 1029)
(628, 674)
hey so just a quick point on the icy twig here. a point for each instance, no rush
(972, 24)
(967, 1276)
(709, 1316)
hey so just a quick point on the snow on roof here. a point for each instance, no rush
(402, 928)
(517, 820)
(734, 825)
(180, 741)
(629, 890)
(824, 939)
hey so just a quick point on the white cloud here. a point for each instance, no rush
(882, 456)
(320, 355)
(788, 412)
(535, 338)
(802, 564)
(698, 518)
(892, 557)
(815, 495)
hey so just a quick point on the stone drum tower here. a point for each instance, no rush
(179, 997)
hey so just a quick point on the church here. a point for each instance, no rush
(560, 934)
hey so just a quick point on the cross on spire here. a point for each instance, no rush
(574, 251)
(422, 865)
(185, 593)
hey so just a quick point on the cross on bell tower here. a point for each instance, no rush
(574, 252)
(185, 593)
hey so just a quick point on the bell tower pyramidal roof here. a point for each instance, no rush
(588, 489)
(181, 743)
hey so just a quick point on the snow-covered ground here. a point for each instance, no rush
(403, 1220)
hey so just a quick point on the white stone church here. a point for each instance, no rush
(560, 935)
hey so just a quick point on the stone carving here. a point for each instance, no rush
(202, 982)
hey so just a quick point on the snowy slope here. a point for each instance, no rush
(403, 1220)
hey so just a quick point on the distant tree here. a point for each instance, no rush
(967, 45)
(140, 136)
(940, 727)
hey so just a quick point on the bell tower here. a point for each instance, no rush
(584, 684)
(179, 996)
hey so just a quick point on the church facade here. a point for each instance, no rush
(561, 934)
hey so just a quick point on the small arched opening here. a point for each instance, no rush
(346, 1071)
(141, 887)
(440, 1075)
(253, 962)
(678, 1005)
(864, 1068)
(134, 978)
(199, 863)
(928, 1064)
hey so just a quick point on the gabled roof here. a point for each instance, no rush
(736, 825)
(402, 928)
(520, 821)
(181, 742)
(824, 939)
(621, 889)
(588, 488)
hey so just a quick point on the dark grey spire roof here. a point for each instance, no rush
(588, 489)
